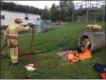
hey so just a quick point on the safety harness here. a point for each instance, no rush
(14, 46)
(8, 38)
(14, 38)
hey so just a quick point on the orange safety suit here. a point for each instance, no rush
(72, 58)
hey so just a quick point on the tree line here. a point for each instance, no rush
(64, 11)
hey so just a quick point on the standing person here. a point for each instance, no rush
(11, 35)
(38, 27)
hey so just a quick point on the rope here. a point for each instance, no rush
(32, 39)
(3, 46)
(59, 45)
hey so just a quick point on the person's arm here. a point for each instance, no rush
(81, 49)
(24, 28)
(87, 44)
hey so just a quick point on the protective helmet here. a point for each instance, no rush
(17, 20)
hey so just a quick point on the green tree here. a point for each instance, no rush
(45, 13)
(67, 8)
(96, 15)
(53, 13)
(21, 8)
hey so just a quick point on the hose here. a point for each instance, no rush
(59, 45)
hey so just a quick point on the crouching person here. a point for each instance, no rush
(82, 53)
(11, 35)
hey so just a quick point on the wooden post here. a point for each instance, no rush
(72, 16)
(97, 3)
(103, 16)
(87, 15)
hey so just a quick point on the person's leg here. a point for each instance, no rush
(14, 55)
(13, 49)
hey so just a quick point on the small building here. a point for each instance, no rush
(7, 17)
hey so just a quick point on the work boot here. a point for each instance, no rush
(12, 64)
(26, 77)
(16, 63)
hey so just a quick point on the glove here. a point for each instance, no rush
(30, 24)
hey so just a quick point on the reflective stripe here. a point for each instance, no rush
(14, 56)
(14, 59)
(12, 37)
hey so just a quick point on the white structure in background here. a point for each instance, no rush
(7, 17)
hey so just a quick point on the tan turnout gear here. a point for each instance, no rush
(11, 34)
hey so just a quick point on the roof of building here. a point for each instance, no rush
(19, 12)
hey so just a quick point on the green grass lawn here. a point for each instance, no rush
(63, 70)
